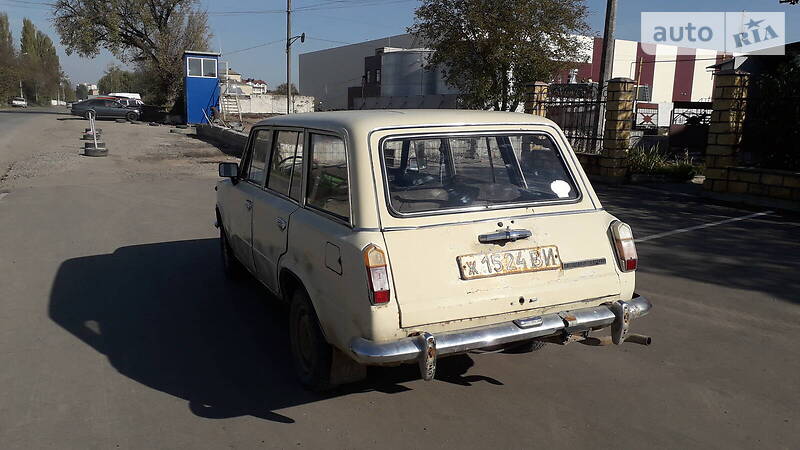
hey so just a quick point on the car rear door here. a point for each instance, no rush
(452, 263)
(115, 109)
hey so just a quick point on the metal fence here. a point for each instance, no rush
(688, 128)
(771, 134)
(576, 109)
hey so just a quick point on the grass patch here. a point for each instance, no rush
(650, 161)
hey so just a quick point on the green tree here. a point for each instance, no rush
(38, 64)
(152, 34)
(9, 71)
(67, 90)
(488, 49)
(115, 79)
(7, 53)
(281, 89)
(81, 92)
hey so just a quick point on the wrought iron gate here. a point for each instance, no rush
(576, 109)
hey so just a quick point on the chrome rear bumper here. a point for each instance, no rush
(416, 348)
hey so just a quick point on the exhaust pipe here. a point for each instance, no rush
(639, 339)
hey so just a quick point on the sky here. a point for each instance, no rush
(242, 27)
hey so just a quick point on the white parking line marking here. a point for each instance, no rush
(700, 227)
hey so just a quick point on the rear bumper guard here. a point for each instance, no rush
(427, 347)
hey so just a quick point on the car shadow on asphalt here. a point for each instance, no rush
(165, 316)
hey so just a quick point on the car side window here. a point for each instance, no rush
(283, 161)
(262, 142)
(328, 188)
(296, 189)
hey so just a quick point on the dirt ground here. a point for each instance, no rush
(157, 152)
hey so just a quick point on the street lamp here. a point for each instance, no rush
(289, 41)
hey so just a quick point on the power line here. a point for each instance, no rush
(331, 4)
(253, 47)
(327, 40)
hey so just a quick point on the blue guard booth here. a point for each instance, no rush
(201, 85)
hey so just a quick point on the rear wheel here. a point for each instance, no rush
(232, 267)
(311, 354)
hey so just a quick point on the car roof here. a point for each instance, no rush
(367, 120)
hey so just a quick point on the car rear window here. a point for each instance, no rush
(433, 173)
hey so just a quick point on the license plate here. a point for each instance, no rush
(535, 259)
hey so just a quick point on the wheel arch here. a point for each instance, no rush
(288, 283)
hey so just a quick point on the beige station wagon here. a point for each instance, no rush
(405, 236)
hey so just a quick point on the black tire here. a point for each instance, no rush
(87, 113)
(231, 266)
(131, 116)
(311, 354)
(525, 347)
(95, 152)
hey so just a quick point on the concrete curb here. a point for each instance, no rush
(752, 200)
(223, 136)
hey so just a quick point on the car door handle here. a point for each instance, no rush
(504, 236)
(248, 204)
(281, 223)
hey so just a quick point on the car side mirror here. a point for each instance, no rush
(229, 170)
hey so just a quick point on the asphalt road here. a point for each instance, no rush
(118, 330)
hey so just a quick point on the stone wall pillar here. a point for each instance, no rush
(729, 102)
(535, 98)
(617, 130)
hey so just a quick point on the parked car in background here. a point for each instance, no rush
(18, 102)
(406, 236)
(105, 108)
(126, 101)
(130, 102)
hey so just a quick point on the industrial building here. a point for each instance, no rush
(389, 73)
(327, 74)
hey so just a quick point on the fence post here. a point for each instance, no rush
(617, 130)
(729, 102)
(536, 98)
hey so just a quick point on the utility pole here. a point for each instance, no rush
(289, 41)
(606, 61)
(288, 56)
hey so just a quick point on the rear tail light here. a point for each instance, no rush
(624, 246)
(377, 275)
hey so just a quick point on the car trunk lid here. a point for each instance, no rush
(444, 273)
